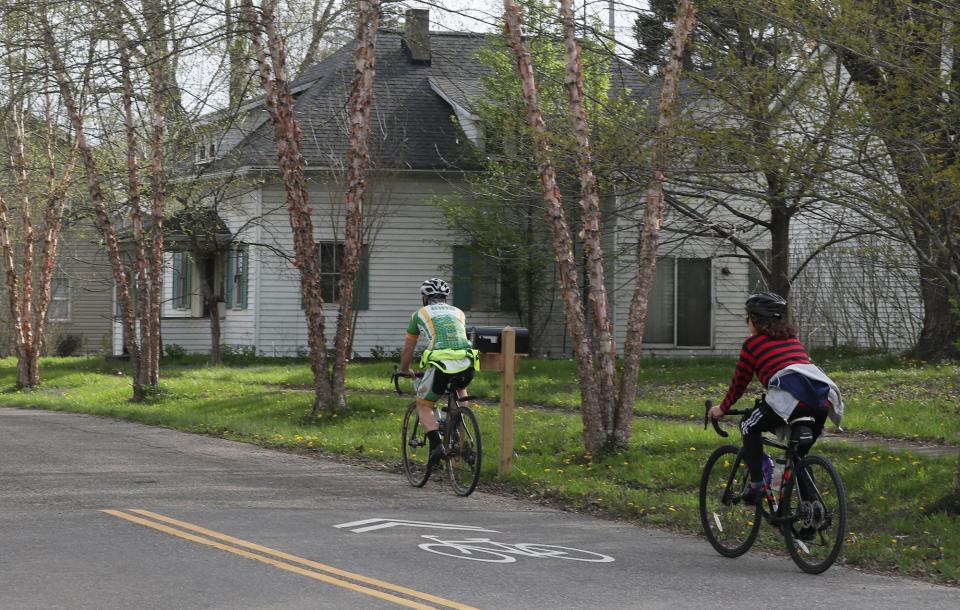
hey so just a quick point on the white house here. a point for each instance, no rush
(418, 151)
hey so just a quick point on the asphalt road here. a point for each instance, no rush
(96, 513)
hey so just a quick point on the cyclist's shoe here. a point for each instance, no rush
(806, 534)
(436, 454)
(753, 495)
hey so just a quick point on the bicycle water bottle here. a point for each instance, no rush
(777, 474)
(767, 469)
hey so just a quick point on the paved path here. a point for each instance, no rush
(197, 522)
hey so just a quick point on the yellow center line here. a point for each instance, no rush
(316, 574)
(307, 562)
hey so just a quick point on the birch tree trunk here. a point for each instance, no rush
(653, 214)
(361, 98)
(68, 94)
(594, 437)
(590, 202)
(162, 78)
(236, 56)
(19, 166)
(12, 281)
(28, 312)
(56, 190)
(286, 130)
(141, 367)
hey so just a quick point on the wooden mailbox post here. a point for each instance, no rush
(506, 362)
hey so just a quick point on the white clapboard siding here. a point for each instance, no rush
(862, 293)
(728, 283)
(240, 213)
(408, 243)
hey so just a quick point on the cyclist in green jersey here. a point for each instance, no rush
(449, 359)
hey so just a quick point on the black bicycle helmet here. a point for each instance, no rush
(434, 287)
(767, 305)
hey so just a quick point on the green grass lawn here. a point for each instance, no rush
(884, 396)
(654, 481)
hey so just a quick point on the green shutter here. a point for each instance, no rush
(509, 289)
(461, 278)
(361, 283)
(182, 275)
(243, 253)
(187, 281)
(176, 296)
(228, 278)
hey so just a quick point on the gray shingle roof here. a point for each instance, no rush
(411, 126)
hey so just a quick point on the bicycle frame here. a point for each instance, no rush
(772, 509)
(460, 437)
(810, 517)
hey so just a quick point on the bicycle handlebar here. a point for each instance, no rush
(396, 375)
(716, 423)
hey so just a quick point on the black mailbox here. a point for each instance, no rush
(489, 339)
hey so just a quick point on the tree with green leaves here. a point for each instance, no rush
(903, 58)
(606, 405)
(499, 212)
(766, 136)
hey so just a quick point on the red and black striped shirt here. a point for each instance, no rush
(764, 356)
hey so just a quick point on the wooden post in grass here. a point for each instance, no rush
(507, 377)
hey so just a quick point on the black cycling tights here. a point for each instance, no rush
(764, 419)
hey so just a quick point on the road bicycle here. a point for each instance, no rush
(809, 508)
(461, 442)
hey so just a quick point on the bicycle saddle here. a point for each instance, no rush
(801, 432)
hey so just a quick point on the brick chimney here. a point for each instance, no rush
(416, 35)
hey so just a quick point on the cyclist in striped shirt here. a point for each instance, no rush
(794, 386)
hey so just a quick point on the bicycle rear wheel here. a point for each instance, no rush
(819, 504)
(415, 448)
(465, 452)
(729, 525)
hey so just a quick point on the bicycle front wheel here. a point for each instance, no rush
(415, 448)
(465, 452)
(818, 504)
(729, 525)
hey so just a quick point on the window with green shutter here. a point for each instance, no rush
(330, 257)
(237, 273)
(461, 278)
(481, 283)
(182, 278)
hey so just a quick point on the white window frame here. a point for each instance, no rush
(65, 299)
(205, 150)
(676, 308)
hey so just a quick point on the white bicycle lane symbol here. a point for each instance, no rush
(485, 549)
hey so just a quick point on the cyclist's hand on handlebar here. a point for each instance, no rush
(406, 373)
(716, 412)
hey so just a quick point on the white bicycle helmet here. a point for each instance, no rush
(434, 287)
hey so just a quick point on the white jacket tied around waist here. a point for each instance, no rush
(783, 402)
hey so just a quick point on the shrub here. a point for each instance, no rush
(176, 351)
(379, 352)
(238, 354)
(68, 345)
